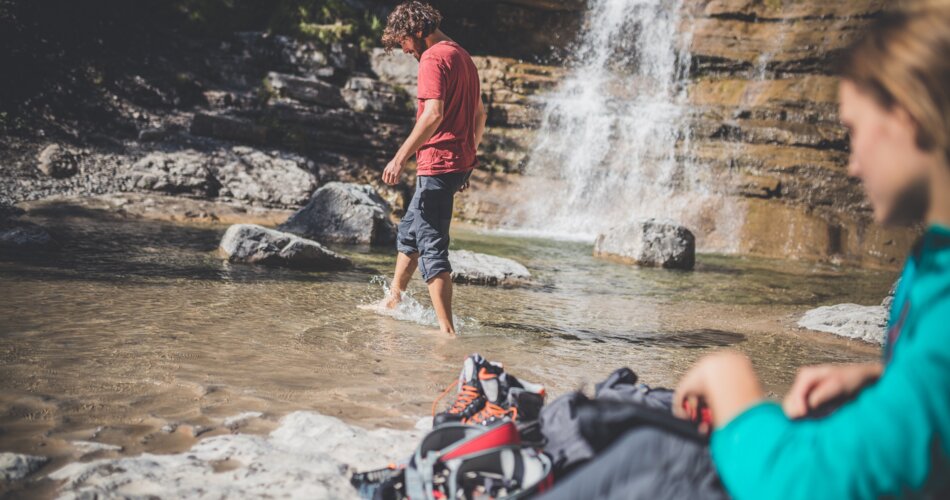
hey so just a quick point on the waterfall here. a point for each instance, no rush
(613, 141)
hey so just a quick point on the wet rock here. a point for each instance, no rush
(181, 172)
(889, 300)
(481, 269)
(308, 456)
(15, 466)
(22, 234)
(309, 90)
(8, 210)
(854, 321)
(57, 161)
(368, 95)
(274, 178)
(649, 242)
(344, 213)
(253, 244)
(89, 447)
(240, 419)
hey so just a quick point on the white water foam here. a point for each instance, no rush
(409, 309)
(614, 137)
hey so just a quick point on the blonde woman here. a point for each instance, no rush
(892, 437)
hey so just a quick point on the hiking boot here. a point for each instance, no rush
(507, 397)
(470, 398)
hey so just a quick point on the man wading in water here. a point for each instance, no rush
(449, 124)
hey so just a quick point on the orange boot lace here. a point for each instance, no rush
(466, 395)
(491, 410)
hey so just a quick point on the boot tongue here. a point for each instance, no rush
(490, 387)
(468, 372)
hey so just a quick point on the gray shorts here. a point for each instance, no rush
(425, 227)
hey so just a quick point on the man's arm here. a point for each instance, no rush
(480, 118)
(425, 126)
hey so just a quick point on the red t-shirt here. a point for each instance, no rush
(447, 72)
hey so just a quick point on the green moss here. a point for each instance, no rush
(325, 33)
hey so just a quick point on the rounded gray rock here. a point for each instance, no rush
(253, 244)
(649, 242)
(482, 269)
(344, 213)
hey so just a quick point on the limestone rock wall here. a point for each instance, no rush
(764, 102)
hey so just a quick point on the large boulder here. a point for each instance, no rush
(253, 244)
(180, 172)
(57, 161)
(649, 242)
(854, 321)
(481, 269)
(344, 213)
(273, 178)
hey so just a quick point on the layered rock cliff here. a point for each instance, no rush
(765, 99)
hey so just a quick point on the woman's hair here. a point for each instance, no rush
(904, 60)
(408, 19)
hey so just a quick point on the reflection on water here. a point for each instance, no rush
(132, 325)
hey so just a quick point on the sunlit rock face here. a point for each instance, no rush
(763, 94)
(719, 115)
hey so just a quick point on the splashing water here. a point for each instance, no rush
(409, 309)
(614, 139)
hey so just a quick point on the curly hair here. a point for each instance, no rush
(407, 19)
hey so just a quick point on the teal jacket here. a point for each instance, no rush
(893, 440)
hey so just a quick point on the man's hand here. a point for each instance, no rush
(465, 185)
(817, 385)
(392, 172)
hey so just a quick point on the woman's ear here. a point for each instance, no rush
(905, 125)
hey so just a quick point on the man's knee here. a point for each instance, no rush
(443, 276)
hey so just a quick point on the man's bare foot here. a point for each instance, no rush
(391, 302)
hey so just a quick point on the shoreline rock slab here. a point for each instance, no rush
(308, 456)
(309, 90)
(273, 178)
(16, 466)
(649, 242)
(344, 213)
(482, 269)
(182, 172)
(253, 244)
(240, 173)
(867, 323)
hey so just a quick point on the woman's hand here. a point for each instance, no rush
(817, 385)
(725, 381)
